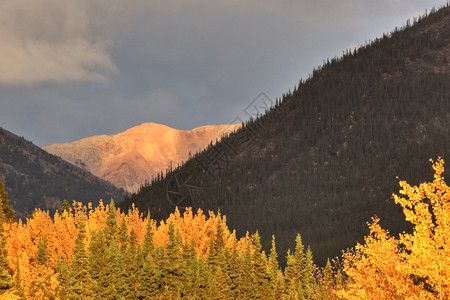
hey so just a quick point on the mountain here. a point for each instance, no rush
(325, 158)
(34, 178)
(132, 158)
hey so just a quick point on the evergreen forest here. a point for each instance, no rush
(326, 156)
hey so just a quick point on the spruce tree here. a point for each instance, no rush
(295, 270)
(123, 236)
(260, 278)
(63, 278)
(17, 282)
(111, 223)
(98, 261)
(273, 265)
(171, 270)
(150, 280)
(116, 276)
(5, 276)
(308, 278)
(327, 279)
(245, 272)
(148, 246)
(42, 253)
(201, 279)
(80, 281)
(131, 264)
(65, 207)
(5, 208)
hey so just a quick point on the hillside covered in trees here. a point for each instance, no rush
(326, 156)
(102, 253)
(37, 179)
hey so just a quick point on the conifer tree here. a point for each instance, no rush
(111, 223)
(41, 285)
(217, 285)
(201, 279)
(5, 207)
(273, 265)
(188, 271)
(327, 279)
(216, 255)
(232, 258)
(295, 269)
(17, 281)
(260, 278)
(148, 246)
(118, 287)
(245, 274)
(80, 281)
(42, 254)
(63, 278)
(98, 261)
(151, 280)
(123, 236)
(171, 270)
(131, 264)
(5, 276)
(65, 207)
(308, 277)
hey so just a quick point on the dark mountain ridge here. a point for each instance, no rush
(325, 158)
(34, 178)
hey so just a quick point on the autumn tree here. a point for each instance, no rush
(415, 265)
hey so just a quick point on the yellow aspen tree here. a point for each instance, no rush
(414, 266)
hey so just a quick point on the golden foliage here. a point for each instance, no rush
(414, 266)
(60, 233)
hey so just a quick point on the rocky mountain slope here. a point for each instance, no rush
(34, 178)
(132, 158)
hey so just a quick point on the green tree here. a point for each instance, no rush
(17, 281)
(63, 278)
(98, 261)
(273, 265)
(123, 236)
(131, 264)
(308, 277)
(65, 207)
(171, 270)
(151, 280)
(327, 279)
(111, 223)
(260, 276)
(5, 208)
(80, 280)
(42, 253)
(118, 287)
(5, 271)
(294, 272)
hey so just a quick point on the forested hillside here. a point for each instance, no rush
(37, 179)
(101, 253)
(325, 158)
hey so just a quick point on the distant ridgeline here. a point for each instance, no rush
(324, 159)
(37, 179)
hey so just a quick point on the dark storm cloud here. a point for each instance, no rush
(84, 67)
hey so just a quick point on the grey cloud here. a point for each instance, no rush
(84, 67)
(50, 41)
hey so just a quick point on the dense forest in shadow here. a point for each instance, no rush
(325, 157)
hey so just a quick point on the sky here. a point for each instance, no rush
(76, 68)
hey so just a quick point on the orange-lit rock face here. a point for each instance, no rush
(130, 158)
